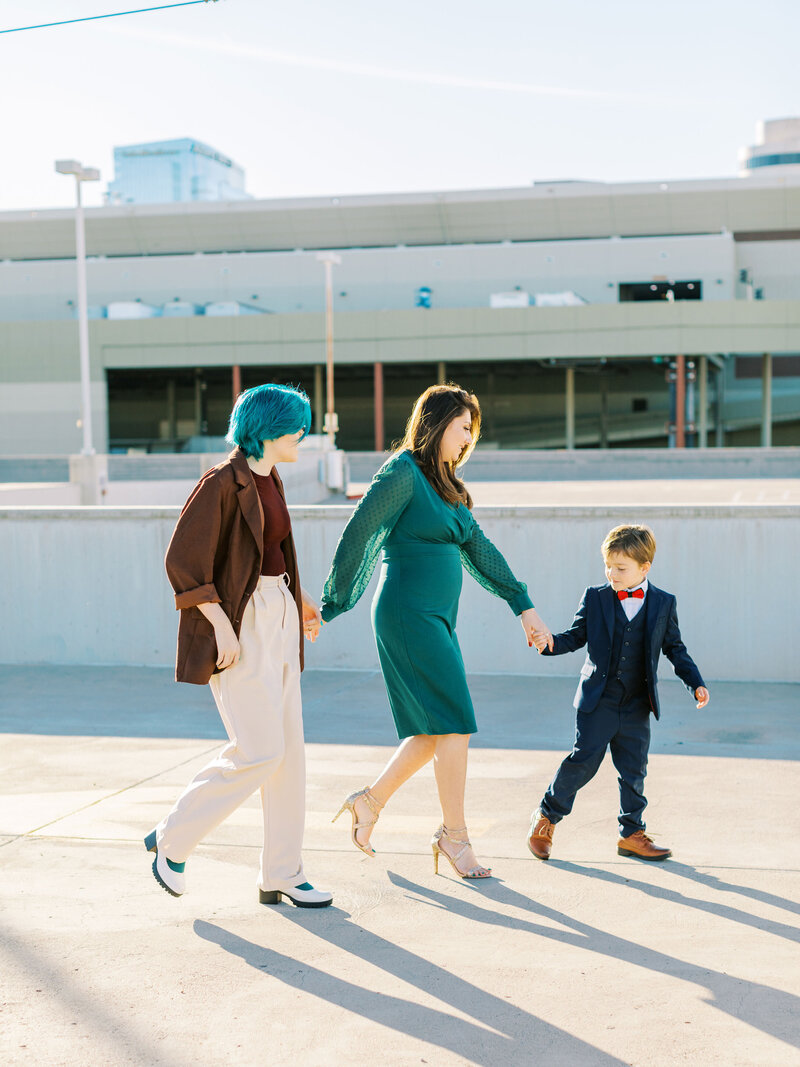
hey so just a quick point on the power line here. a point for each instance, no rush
(111, 15)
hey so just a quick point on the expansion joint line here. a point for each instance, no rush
(108, 796)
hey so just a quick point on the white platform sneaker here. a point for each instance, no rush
(169, 875)
(302, 896)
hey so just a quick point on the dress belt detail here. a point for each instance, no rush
(423, 549)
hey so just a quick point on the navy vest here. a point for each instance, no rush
(627, 672)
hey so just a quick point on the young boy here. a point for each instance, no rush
(626, 623)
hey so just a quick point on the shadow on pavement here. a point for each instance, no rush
(129, 1042)
(350, 707)
(711, 881)
(519, 1031)
(770, 1010)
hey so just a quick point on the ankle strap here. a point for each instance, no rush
(374, 806)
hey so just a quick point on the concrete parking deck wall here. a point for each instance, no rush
(87, 585)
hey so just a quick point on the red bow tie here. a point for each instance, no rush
(623, 594)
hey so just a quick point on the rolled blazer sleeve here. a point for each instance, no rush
(190, 556)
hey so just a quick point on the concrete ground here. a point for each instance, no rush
(590, 959)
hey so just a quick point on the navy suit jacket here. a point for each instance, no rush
(593, 626)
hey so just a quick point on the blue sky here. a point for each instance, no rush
(315, 98)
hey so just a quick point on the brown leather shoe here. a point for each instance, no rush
(540, 836)
(641, 846)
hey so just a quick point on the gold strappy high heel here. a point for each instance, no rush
(350, 805)
(478, 871)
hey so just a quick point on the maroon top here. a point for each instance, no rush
(277, 524)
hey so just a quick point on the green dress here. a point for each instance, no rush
(425, 543)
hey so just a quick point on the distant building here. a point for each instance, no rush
(777, 146)
(568, 307)
(180, 171)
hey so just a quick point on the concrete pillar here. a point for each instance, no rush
(766, 400)
(570, 407)
(719, 408)
(380, 436)
(318, 399)
(91, 473)
(680, 401)
(702, 403)
(488, 407)
(603, 412)
(198, 402)
(236, 380)
(441, 372)
(172, 410)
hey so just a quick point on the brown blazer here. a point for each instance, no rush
(214, 556)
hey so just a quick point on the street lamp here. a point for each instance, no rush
(328, 259)
(82, 174)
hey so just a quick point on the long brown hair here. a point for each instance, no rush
(432, 414)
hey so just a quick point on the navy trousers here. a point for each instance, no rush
(625, 728)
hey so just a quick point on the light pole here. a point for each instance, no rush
(328, 259)
(82, 174)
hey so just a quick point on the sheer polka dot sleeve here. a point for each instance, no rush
(363, 538)
(487, 566)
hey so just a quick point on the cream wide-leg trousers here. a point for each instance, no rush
(260, 706)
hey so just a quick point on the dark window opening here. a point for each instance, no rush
(633, 291)
(639, 403)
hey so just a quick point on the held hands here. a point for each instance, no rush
(702, 696)
(535, 630)
(312, 620)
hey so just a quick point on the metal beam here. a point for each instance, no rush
(570, 408)
(766, 400)
(319, 398)
(702, 403)
(680, 402)
(380, 436)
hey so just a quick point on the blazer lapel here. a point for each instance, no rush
(652, 604)
(247, 497)
(607, 602)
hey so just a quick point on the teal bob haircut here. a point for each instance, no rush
(266, 412)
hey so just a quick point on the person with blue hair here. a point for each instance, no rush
(243, 612)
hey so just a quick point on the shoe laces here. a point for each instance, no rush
(545, 828)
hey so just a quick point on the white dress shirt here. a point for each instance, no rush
(632, 605)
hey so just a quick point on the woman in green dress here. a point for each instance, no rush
(418, 512)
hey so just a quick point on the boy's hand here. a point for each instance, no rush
(702, 696)
(541, 639)
(532, 625)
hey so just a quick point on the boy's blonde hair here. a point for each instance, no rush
(636, 541)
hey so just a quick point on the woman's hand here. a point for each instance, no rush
(702, 696)
(227, 645)
(312, 620)
(535, 630)
(227, 641)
